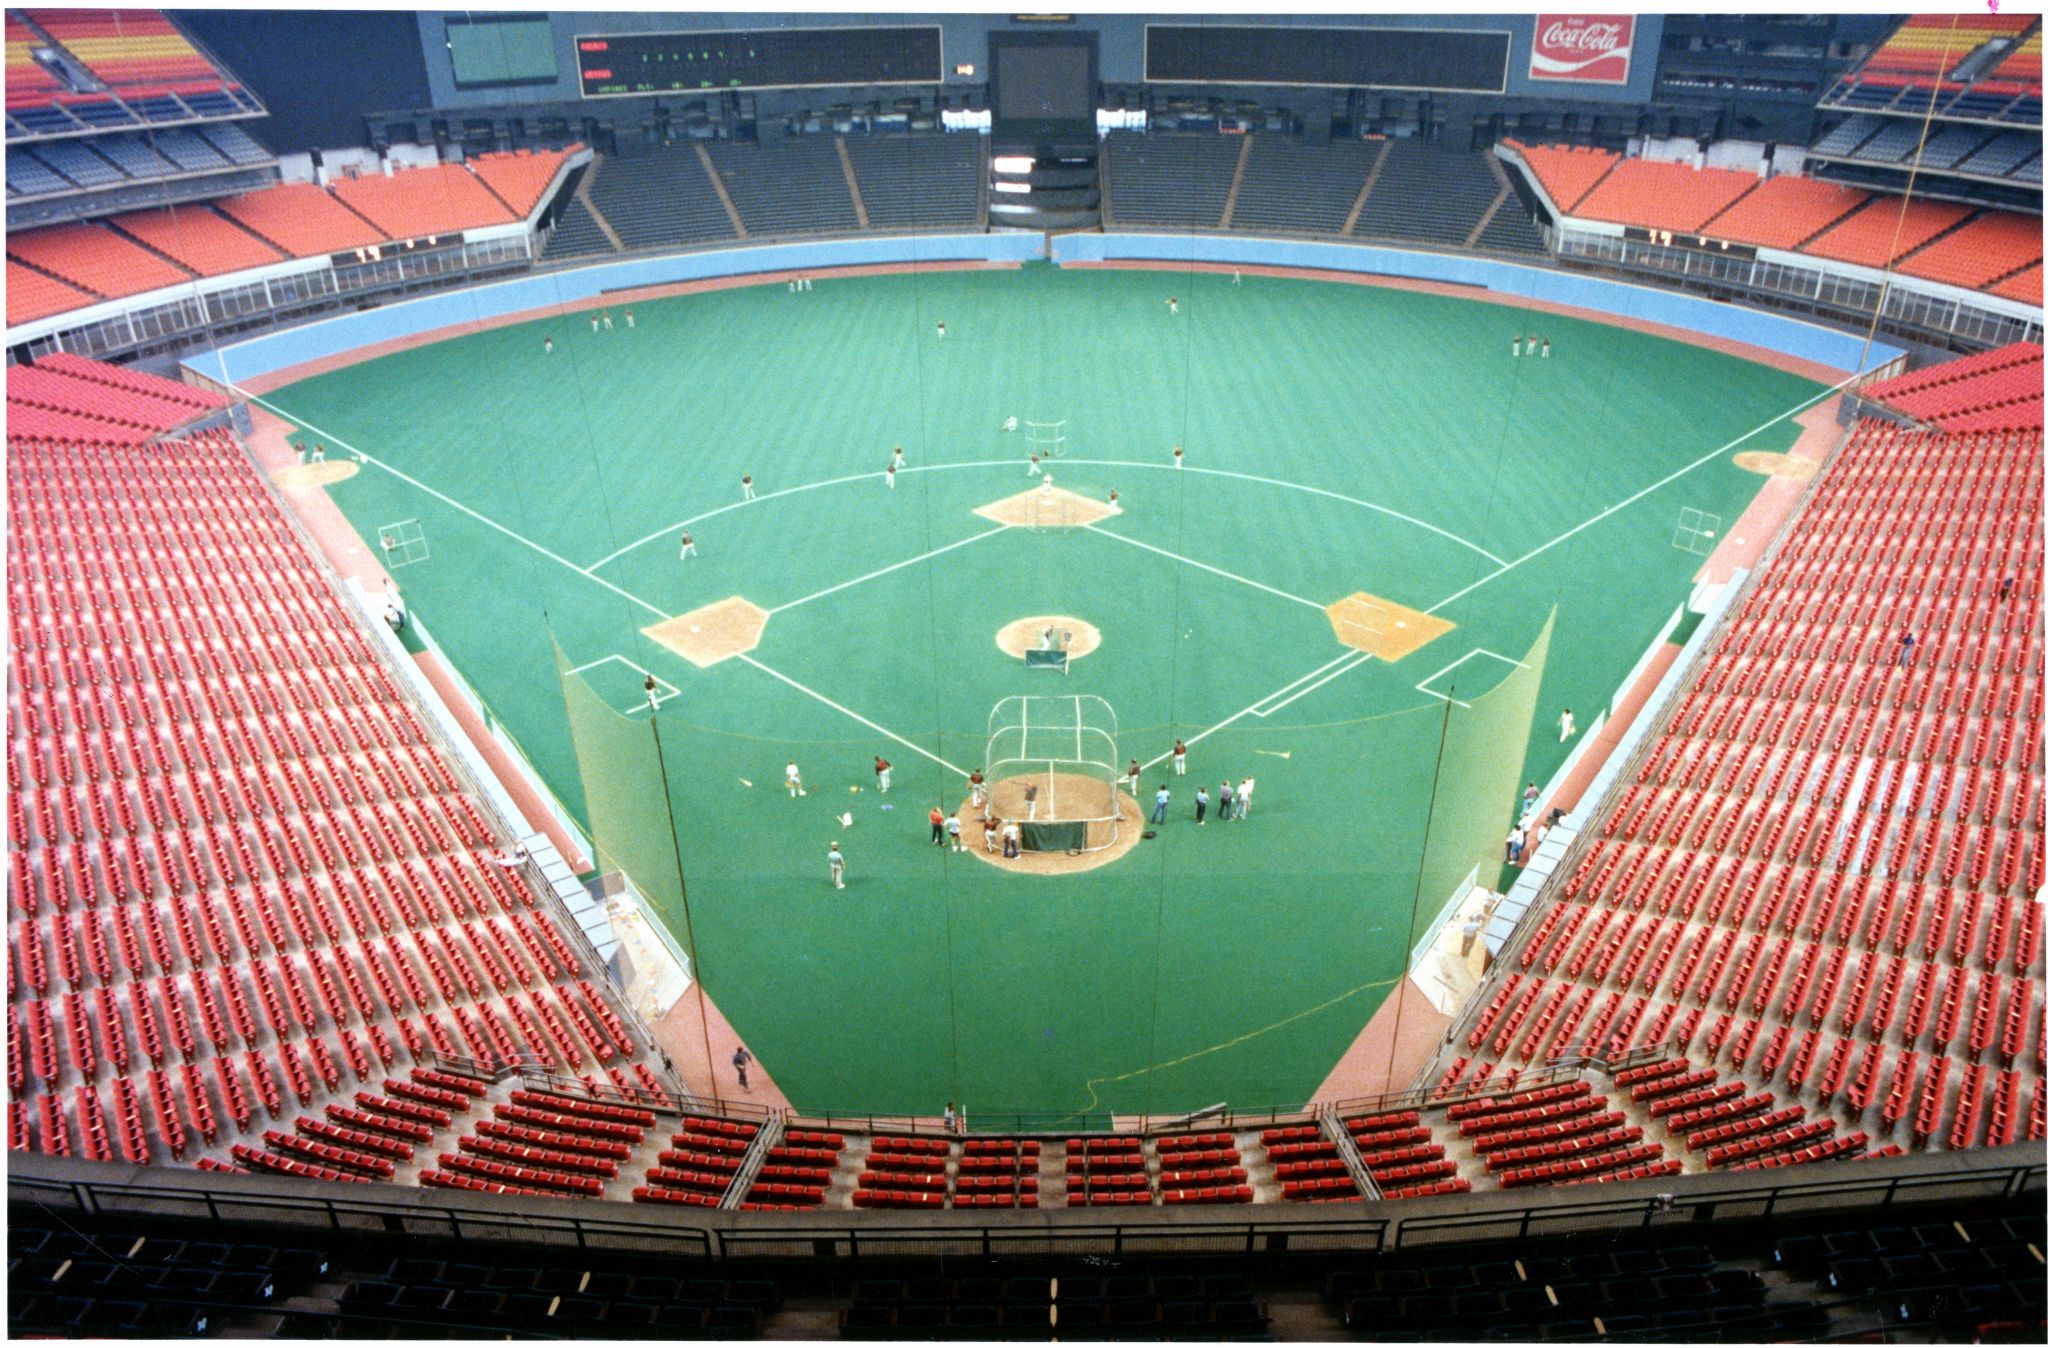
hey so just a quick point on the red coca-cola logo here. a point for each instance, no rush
(1590, 48)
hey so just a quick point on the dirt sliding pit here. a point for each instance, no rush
(1006, 801)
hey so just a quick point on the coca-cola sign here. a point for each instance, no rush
(1590, 48)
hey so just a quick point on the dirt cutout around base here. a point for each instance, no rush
(316, 474)
(705, 636)
(1026, 634)
(1042, 509)
(1383, 628)
(1793, 466)
(1006, 801)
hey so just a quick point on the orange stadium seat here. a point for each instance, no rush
(87, 255)
(415, 202)
(1660, 195)
(27, 82)
(1995, 244)
(300, 219)
(518, 178)
(1785, 211)
(32, 295)
(1885, 231)
(196, 238)
(1567, 172)
(126, 47)
(2023, 286)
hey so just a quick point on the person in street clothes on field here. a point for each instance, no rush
(1180, 759)
(1244, 797)
(740, 1059)
(938, 818)
(837, 864)
(1201, 804)
(881, 774)
(1226, 796)
(1529, 794)
(1513, 856)
(953, 831)
(1566, 726)
(793, 779)
(1159, 804)
(1011, 846)
(689, 548)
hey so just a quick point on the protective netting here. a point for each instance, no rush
(619, 758)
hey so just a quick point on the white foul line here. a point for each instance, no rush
(848, 711)
(1661, 482)
(617, 553)
(1216, 570)
(449, 500)
(896, 566)
(1338, 672)
(1349, 655)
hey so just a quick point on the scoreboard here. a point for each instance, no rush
(620, 65)
(1447, 60)
(1699, 243)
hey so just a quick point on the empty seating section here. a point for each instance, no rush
(1660, 195)
(28, 83)
(1170, 179)
(1784, 212)
(1201, 1168)
(1567, 172)
(1427, 193)
(519, 177)
(2003, 153)
(1822, 879)
(997, 1172)
(197, 239)
(1107, 1172)
(1844, 137)
(32, 295)
(1885, 230)
(249, 896)
(1289, 185)
(904, 1172)
(576, 233)
(189, 150)
(796, 187)
(1926, 48)
(28, 176)
(1992, 246)
(300, 220)
(94, 258)
(128, 48)
(410, 203)
(663, 198)
(1994, 390)
(235, 144)
(2024, 286)
(918, 182)
(77, 162)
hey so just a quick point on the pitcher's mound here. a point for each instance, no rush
(1042, 509)
(1006, 801)
(1027, 634)
(1777, 465)
(315, 474)
(719, 631)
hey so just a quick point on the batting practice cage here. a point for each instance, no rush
(1361, 607)
(1052, 766)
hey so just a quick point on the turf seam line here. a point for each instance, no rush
(848, 711)
(894, 566)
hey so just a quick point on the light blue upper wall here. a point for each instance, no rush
(533, 294)
(1121, 44)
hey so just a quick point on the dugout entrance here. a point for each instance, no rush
(1051, 763)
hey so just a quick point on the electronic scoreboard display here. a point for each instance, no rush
(621, 65)
(1451, 60)
(1697, 242)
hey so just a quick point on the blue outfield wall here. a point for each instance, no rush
(264, 355)
(1773, 332)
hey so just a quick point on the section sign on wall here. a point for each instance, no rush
(1585, 48)
(619, 65)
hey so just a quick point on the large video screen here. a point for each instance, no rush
(499, 53)
(1042, 84)
(620, 65)
(1450, 60)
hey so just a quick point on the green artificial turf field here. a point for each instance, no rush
(1339, 438)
